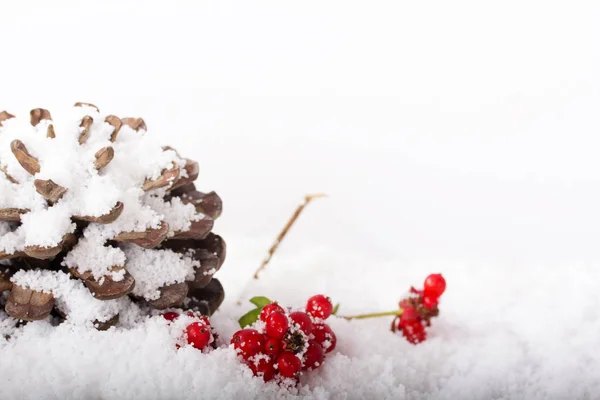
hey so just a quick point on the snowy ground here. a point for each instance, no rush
(451, 137)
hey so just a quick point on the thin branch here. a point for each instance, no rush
(376, 315)
(284, 231)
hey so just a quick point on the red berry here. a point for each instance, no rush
(430, 302)
(325, 337)
(435, 285)
(273, 348)
(277, 325)
(303, 321)
(202, 318)
(263, 368)
(268, 309)
(405, 303)
(409, 315)
(416, 291)
(198, 335)
(170, 316)
(319, 306)
(248, 342)
(414, 332)
(288, 364)
(314, 356)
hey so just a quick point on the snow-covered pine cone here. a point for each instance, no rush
(95, 215)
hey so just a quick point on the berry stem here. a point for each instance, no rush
(375, 315)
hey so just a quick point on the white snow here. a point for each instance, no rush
(179, 216)
(153, 269)
(455, 137)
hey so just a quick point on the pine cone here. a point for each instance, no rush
(94, 205)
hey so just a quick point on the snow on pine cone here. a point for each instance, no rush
(97, 219)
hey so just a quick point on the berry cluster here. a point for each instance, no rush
(197, 330)
(418, 309)
(283, 343)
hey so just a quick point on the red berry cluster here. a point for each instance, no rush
(284, 343)
(419, 308)
(199, 333)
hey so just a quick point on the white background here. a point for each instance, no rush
(439, 129)
(459, 137)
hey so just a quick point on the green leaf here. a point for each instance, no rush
(335, 309)
(260, 301)
(250, 317)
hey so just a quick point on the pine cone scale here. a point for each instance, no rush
(170, 296)
(28, 305)
(12, 214)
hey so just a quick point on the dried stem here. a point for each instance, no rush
(375, 315)
(284, 231)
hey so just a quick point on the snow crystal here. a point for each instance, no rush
(90, 254)
(5, 227)
(153, 269)
(179, 216)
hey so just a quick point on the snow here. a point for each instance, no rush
(453, 137)
(148, 269)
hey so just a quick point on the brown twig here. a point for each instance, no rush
(284, 231)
